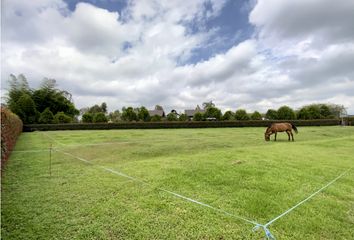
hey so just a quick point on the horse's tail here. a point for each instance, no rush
(294, 127)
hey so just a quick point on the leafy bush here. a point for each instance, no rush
(183, 117)
(28, 103)
(128, 114)
(241, 114)
(256, 116)
(143, 114)
(87, 117)
(286, 113)
(198, 116)
(46, 116)
(156, 118)
(213, 112)
(61, 117)
(272, 114)
(228, 115)
(100, 118)
(172, 117)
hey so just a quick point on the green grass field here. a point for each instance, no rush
(231, 169)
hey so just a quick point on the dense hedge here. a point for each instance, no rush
(156, 125)
(11, 127)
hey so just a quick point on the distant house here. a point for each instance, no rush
(160, 113)
(190, 112)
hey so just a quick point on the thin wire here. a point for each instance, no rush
(161, 189)
(306, 199)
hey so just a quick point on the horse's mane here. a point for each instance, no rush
(269, 127)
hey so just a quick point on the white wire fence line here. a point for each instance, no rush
(264, 227)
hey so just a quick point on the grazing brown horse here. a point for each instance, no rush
(280, 127)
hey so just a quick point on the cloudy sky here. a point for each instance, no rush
(239, 54)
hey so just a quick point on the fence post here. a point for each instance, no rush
(50, 160)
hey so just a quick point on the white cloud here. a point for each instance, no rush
(325, 20)
(301, 53)
(311, 42)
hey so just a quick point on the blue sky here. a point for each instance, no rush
(254, 54)
(232, 25)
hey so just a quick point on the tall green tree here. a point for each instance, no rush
(198, 116)
(99, 118)
(143, 114)
(87, 117)
(18, 87)
(325, 111)
(29, 103)
(256, 116)
(128, 114)
(272, 114)
(27, 109)
(228, 115)
(213, 112)
(286, 113)
(303, 114)
(241, 114)
(57, 100)
(314, 111)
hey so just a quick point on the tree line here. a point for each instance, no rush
(48, 104)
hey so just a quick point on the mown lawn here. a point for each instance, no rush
(231, 169)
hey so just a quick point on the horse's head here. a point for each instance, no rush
(267, 137)
(267, 134)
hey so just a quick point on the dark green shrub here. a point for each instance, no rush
(241, 115)
(271, 114)
(198, 117)
(213, 112)
(286, 113)
(183, 117)
(128, 114)
(100, 118)
(156, 118)
(46, 116)
(143, 114)
(256, 116)
(87, 117)
(228, 115)
(172, 117)
(61, 117)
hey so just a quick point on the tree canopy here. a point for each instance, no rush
(32, 105)
(128, 114)
(241, 114)
(213, 112)
(286, 113)
(272, 114)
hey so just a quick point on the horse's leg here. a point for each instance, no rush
(275, 136)
(292, 135)
(287, 132)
